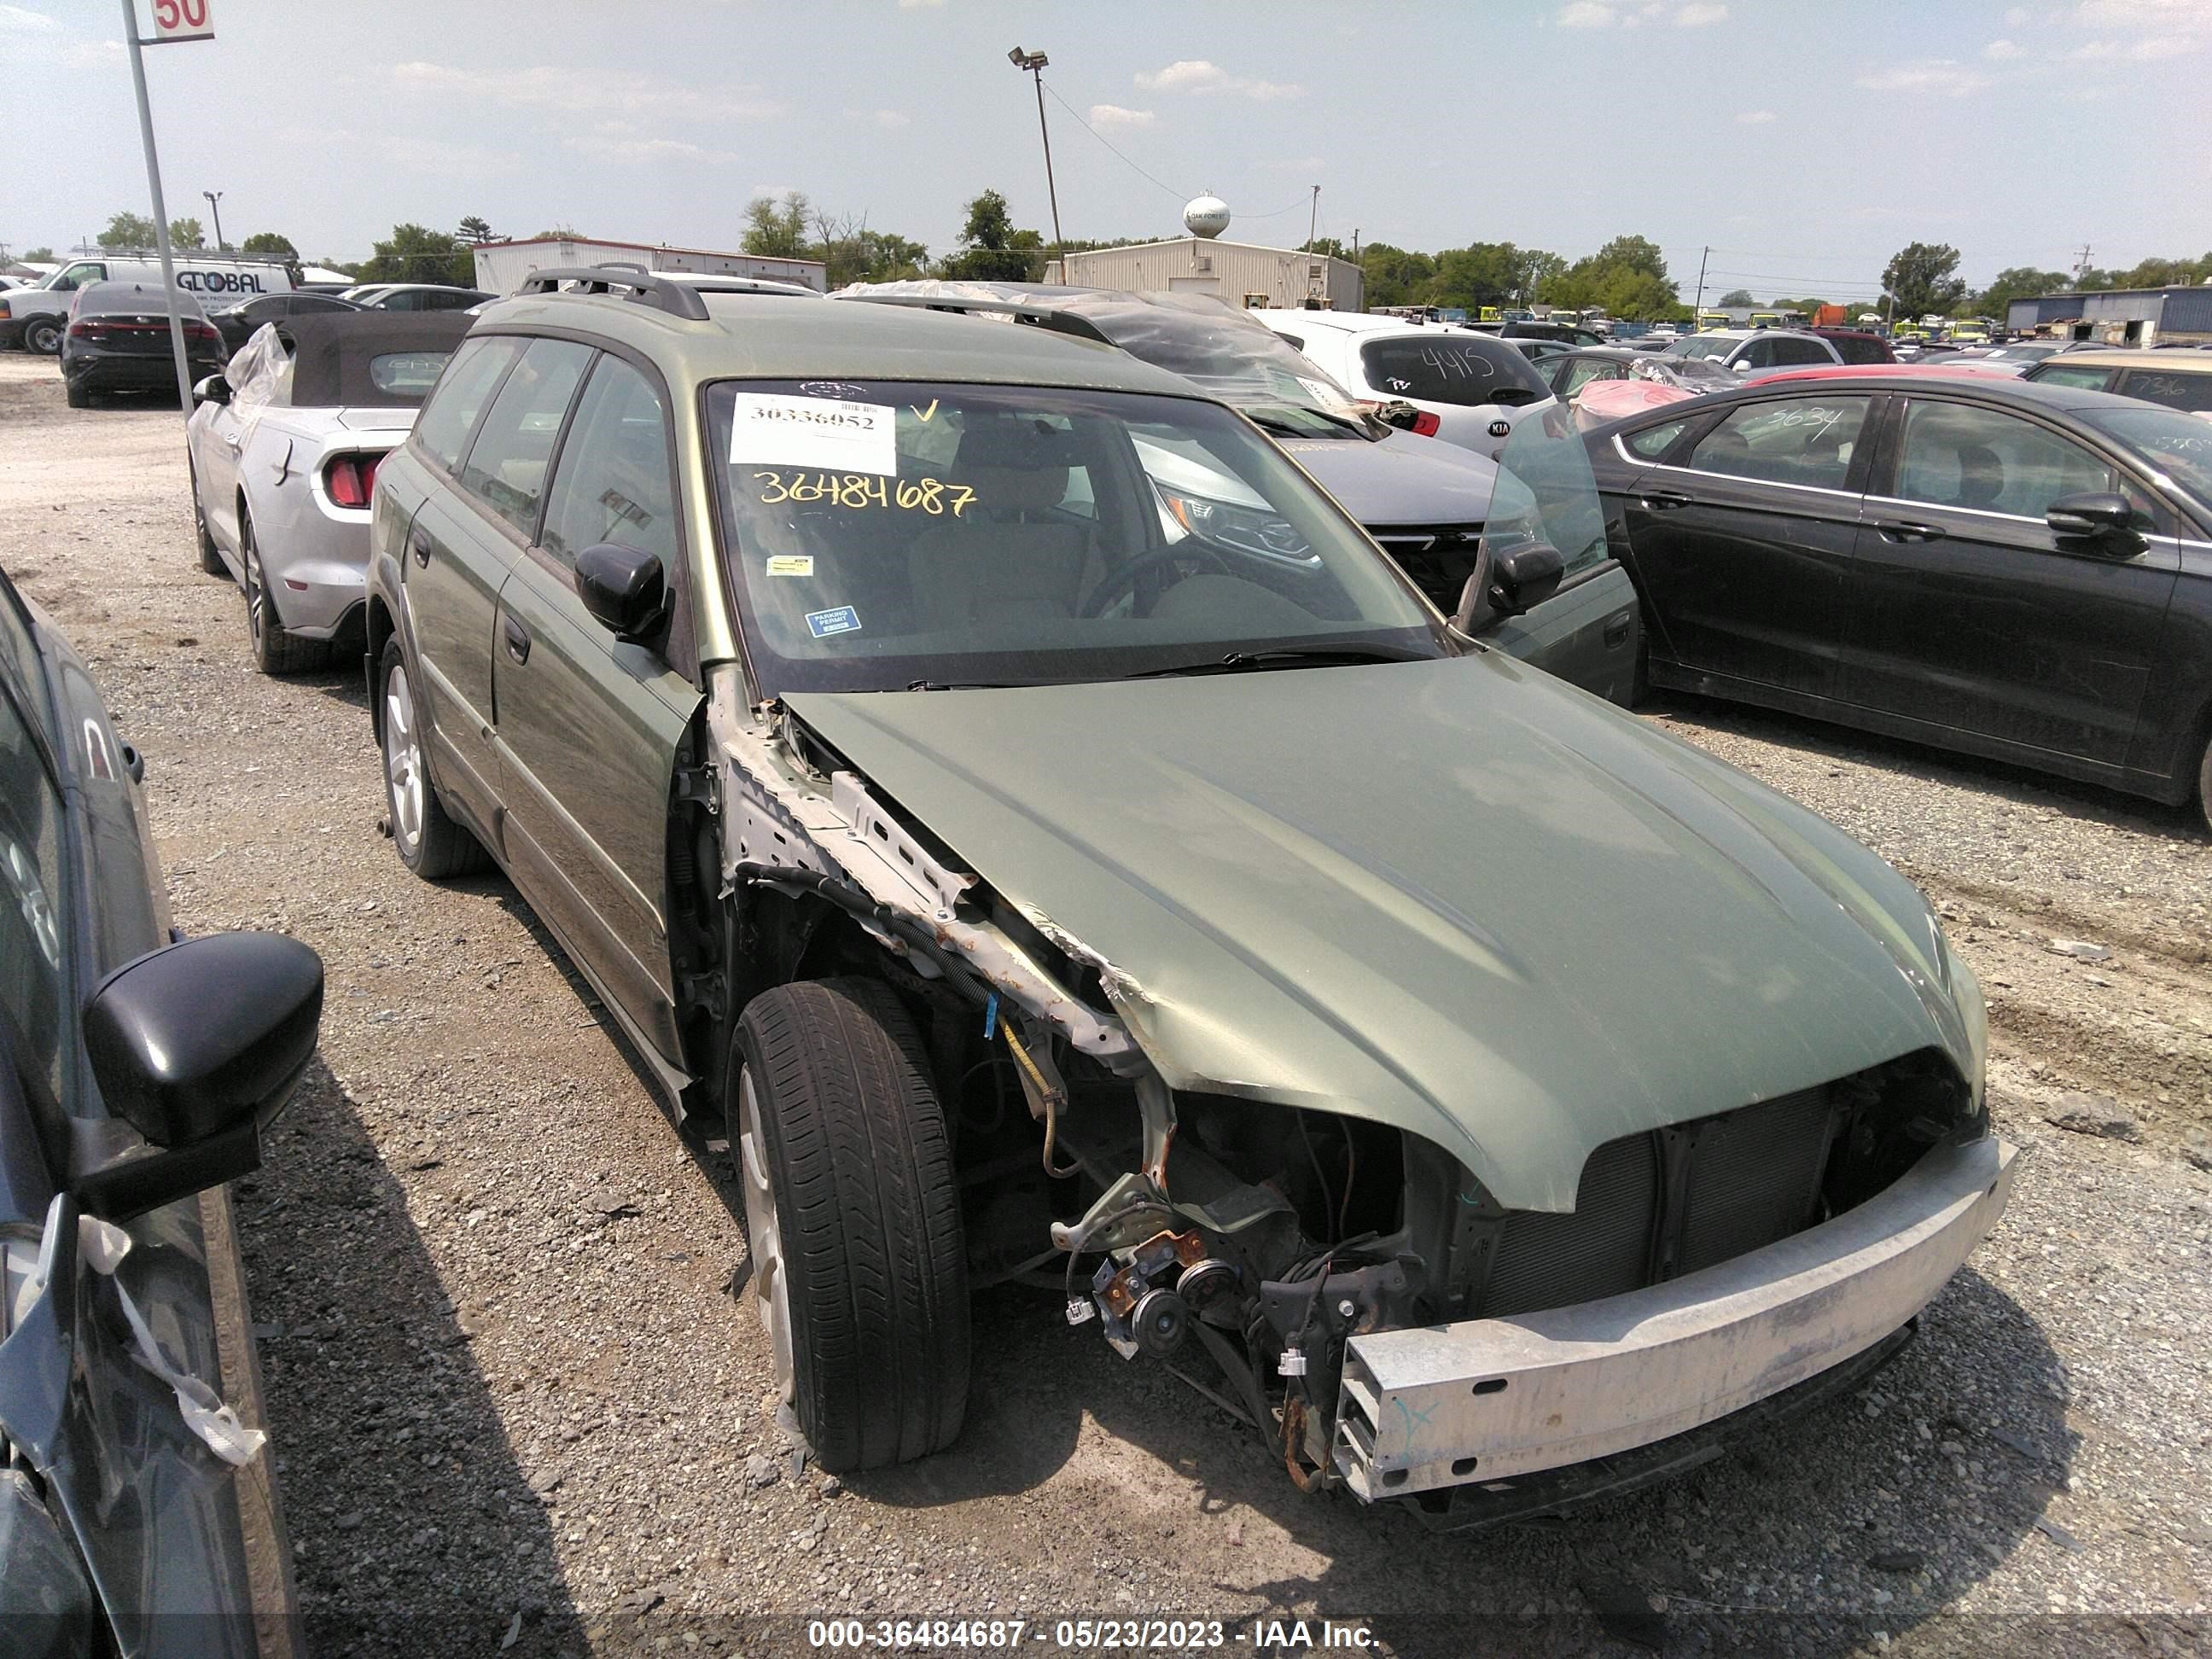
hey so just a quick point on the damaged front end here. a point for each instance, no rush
(1349, 1288)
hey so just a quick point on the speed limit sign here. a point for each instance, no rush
(182, 20)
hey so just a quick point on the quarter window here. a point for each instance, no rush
(612, 483)
(2079, 375)
(1956, 455)
(506, 462)
(1797, 440)
(1654, 440)
(451, 414)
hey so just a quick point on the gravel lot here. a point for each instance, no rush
(513, 1397)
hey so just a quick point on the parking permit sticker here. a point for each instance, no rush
(823, 623)
(769, 429)
(791, 564)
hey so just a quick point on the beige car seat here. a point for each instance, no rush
(1003, 557)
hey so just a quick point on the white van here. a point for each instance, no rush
(34, 318)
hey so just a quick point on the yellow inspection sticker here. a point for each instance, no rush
(791, 564)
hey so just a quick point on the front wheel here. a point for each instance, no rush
(2204, 787)
(42, 337)
(852, 1218)
(428, 842)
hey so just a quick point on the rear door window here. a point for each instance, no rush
(2085, 376)
(450, 416)
(1447, 368)
(1798, 441)
(506, 461)
(1801, 351)
(1956, 455)
(1860, 351)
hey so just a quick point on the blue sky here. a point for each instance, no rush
(1804, 143)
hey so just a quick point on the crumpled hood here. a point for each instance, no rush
(1457, 896)
(1401, 479)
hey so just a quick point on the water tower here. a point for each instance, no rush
(1206, 217)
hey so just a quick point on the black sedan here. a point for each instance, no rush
(237, 321)
(2014, 570)
(138, 1503)
(117, 340)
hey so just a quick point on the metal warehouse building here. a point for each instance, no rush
(2120, 316)
(1240, 273)
(500, 266)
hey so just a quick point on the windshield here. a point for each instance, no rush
(1702, 345)
(1457, 367)
(2176, 447)
(880, 536)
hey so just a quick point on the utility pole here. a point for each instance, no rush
(1355, 245)
(161, 212)
(2081, 266)
(1703, 254)
(1313, 221)
(1035, 63)
(214, 202)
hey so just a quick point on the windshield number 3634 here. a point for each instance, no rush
(859, 489)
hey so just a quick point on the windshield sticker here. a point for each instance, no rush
(823, 623)
(791, 564)
(852, 489)
(1327, 396)
(831, 389)
(770, 430)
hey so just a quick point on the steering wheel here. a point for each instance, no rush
(1125, 580)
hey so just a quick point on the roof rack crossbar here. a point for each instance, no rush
(643, 287)
(1022, 311)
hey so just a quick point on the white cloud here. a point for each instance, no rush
(580, 91)
(2016, 17)
(2003, 51)
(2150, 49)
(1755, 117)
(1113, 115)
(1587, 15)
(21, 20)
(1700, 16)
(400, 150)
(607, 147)
(919, 5)
(1196, 75)
(1936, 75)
(892, 118)
(2189, 16)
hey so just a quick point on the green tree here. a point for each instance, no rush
(2019, 282)
(269, 242)
(186, 233)
(1736, 297)
(779, 230)
(1397, 276)
(1540, 269)
(991, 249)
(1922, 279)
(854, 253)
(474, 231)
(1635, 253)
(2167, 273)
(1480, 274)
(558, 234)
(1627, 278)
(414, 254)
(128, 230)
(39, 256)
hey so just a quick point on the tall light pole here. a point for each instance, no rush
(214, 198)
(161, 213)
(1035, 62)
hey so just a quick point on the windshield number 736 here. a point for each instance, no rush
(857, 489)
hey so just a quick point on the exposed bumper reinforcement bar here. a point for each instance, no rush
(1491, 1399)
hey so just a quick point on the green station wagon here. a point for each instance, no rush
(1005, 800)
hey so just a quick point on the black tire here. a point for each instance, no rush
(871, 1250)
(428, 842)
(2204, 787)
(42, 337)
(78, 397)
(275, 651)
(210, 555)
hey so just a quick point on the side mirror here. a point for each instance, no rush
(625, 590)
(1521, 578)
(2095, 512)
(196, 1046)
(213, 390)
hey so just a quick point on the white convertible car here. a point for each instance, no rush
(284, 445)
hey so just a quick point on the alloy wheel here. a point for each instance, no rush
(763, 1236)
(403, 761)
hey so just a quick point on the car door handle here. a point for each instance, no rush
(231, 440)
(1616, 631)
(1665, 501)
(518, 639)
(1897, 530)
(420, 541)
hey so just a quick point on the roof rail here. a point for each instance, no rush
(674, 297)
(1022, 311)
